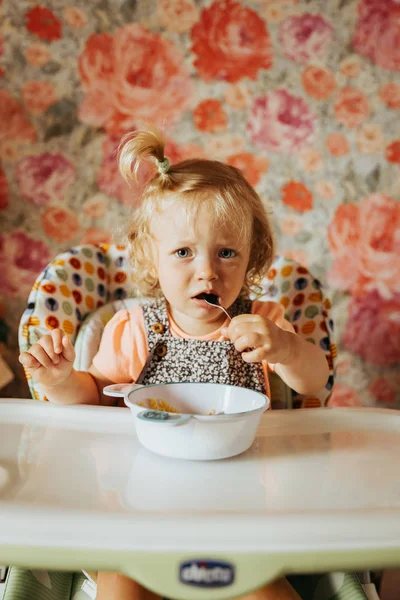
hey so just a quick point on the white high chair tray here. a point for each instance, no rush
(321, 483)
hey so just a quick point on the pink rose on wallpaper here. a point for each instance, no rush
(351, 107)
(281, 122)
(377, 34)
(230, 41)
(111, 182)
(44, 177)
(373, 328)
(3, 190)
(37, 55)
(390, 94)
(59, 223)
(305, 38)
(344, 395)
(21, 260)
(383, 390)
(14, 126)
(133, 75)
(365, 242)
(253, 167)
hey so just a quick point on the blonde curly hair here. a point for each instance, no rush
(229, 197)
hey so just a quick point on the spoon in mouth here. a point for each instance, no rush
(213, 300)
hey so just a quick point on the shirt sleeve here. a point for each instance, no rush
(275, 312)
(123, 347)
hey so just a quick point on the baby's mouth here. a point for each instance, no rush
(210, 298)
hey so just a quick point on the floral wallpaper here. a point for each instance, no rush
(303, 96)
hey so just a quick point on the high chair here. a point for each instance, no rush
(80, 290)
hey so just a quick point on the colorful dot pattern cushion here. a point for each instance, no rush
(77, 283)
(293, 286)
(74, 285)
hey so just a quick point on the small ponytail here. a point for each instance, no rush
(137, 146)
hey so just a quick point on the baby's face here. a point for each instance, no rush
(193, 260)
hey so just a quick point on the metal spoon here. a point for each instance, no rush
(213, 300)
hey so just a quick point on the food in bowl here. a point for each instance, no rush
(163, 406)
(158, 404)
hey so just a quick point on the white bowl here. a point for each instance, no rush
(193, 434)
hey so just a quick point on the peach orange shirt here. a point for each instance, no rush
(123, 347)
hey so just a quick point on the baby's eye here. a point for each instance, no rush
(227, 253)
(182, 253)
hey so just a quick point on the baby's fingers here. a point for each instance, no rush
(57, 336)
(68, 350)
(29, 361)
(50, 347)
(40, 354)
(253, 355)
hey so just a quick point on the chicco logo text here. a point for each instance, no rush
(207, 573)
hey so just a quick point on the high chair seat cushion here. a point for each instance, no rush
(78, 283)
(87, 341)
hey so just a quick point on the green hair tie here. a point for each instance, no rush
(163, 165)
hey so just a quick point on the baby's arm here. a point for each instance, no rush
(305, 369)
(50, 363)
(300, 364)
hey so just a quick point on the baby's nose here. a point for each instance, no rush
(206, 270)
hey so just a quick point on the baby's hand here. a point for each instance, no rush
(50, 361)
(258, 339)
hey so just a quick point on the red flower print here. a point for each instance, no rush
(44, 178)
(351, 107)
(59, 223)
(230, 42)
(210, 116)
(37, 55)
(337, 144)
(393, 152)
(377, 35)
(296, 195)
(373, 329)
(390, 94)
(383, 390)
(364, 239)
(344, 395)
(21, 260)
(318, 82)
(252, 167)
(43, 23)
(134, 75)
